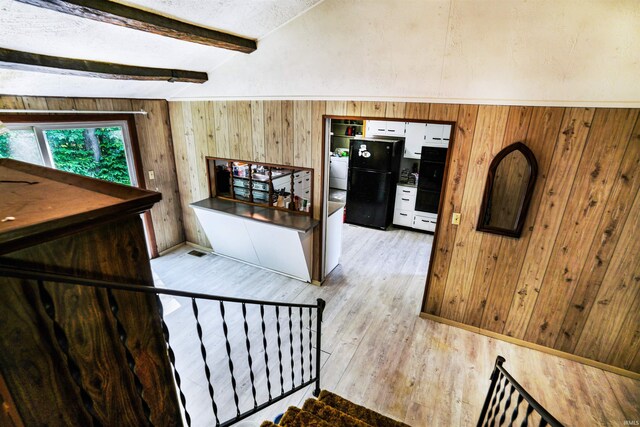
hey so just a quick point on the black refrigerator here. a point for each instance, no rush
(373, 174)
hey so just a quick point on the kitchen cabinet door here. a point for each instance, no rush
(433, 133)
(415, 136)
(395, 129)
(376, 128)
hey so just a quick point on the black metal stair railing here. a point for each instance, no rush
(496, 408)
(250, 384)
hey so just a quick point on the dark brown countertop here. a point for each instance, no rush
(334, 207)
(302, 223)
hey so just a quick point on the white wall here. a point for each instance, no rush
(557, 52)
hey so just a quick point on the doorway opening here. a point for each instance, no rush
(383, 174)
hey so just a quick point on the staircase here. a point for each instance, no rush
(331, 410)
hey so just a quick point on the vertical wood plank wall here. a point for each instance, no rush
(156, 149)
(571, 282)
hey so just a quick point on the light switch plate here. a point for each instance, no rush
(151, 175)
(455, 218)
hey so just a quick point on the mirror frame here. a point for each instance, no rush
(524, 203)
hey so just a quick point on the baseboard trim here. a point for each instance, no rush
(199, 247)
(171, 249)
(533, 346)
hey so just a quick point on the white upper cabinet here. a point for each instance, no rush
(385, 128)
(438, 135)
(415, 136)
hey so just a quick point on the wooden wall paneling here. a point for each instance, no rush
(318, 153)
(61, 104)
(210, 126)
(197, 148)
(178, 111)
(487, 142)
(417, 110)
(11, 102)
(240, 130)
(541, 139)
(395, 110)
(287, 133)
(564, 163)
(273, 131)
(602, 156)
(372, 109)
(221, 135)
(354, 108)
(9, 415)
(34, 103)
(257, 131)
(446, 112)
(626, 348)
(453, 191)
(489, 255)
(302, 142)
(156, 150)
(336, 108)
(616, 212)
(617, 295)
(86, 104)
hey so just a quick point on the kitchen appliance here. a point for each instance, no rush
(432, 163)
(374, 164)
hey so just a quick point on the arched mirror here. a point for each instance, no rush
(508, 190)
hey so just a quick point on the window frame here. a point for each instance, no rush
(15, 120)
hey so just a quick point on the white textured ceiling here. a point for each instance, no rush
(31, 29)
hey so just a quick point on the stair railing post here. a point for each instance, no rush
(321, 305)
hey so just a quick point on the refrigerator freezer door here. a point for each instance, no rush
(372, 155)
(368, 198)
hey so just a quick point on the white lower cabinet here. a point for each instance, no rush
(425, 221)
(403, 218)
(405, 215)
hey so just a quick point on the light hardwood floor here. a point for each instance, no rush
(377, 351)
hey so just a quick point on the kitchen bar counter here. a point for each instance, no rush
(302, 223)
(277, 240)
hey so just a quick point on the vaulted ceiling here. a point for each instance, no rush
(549, 52)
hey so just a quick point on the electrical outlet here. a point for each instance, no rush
(151, 175)
(455, 219)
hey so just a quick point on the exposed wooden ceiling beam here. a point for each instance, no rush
(26, 61)
(126, 16)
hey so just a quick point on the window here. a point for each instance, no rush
(94, 149)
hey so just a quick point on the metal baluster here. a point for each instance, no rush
(525, 422)
(131, 362)
(514, 416)
(492, 408)
(310, 346)
(264, 345)
(203, 351)
(301, 349)
(507, 404)
(225, 329)
(320, 302)
(543, 422)
(293, 373)
(61, 337)
(279, 348)
(504, 388)
(172, 360)
(248, 343)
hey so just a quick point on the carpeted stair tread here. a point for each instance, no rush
(331, 415)
(295, 417)
(360, 412)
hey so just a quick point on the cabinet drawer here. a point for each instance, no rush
(404, 218)
(401, 190)
(301, 175)
(395, 129)
(424, 223)
(405, 202)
